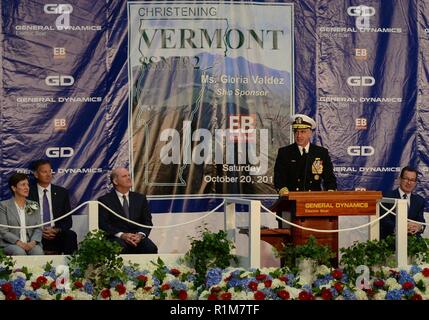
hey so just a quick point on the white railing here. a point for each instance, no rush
(253, 259)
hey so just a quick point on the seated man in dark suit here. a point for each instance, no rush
(54, 202)
(132, 206)
(416, 205)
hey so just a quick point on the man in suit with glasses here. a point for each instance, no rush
(416, 205)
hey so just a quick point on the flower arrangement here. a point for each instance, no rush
(162, 282)
(31, 207)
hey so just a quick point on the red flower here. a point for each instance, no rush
(339, 287)
(53, 285)
(175, 272)
(68, 298)
(183, 295)
(261, 277)
(41, 280)
(35, 285)
(11, 296)
(212, 297)
(425, 272)
(78, 284)
(165, 286)
(215, 290)
(304, 295)
(337, 274)
(326, 294)
(147, 288)
(121, 288)
(416, 296)
(226, 296)
(259, 295)
(283, 294)
(253, 285)
(379, 283)
(283, 278)
(105, 293)
(142, 278)
(268, 283)
(407, 285)
(7, 288)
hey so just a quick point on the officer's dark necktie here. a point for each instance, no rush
(46, 211)
(126, 207)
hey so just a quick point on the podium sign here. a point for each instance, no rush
(320, 210)
(335, 203)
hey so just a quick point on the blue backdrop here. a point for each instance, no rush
(360, 69)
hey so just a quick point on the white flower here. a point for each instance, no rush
(392, 284)
(277, 283)
(2, 297)
(381, 295)
(114, 295)
(322, 270)
(44, 294)
(17, 275)
(31, 207)
(294, 292)
(361, 295)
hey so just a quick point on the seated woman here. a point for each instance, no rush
(20, 212)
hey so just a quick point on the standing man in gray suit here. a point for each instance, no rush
(18, 211)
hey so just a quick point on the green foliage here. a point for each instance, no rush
(212, 250)
(98, 259)
(373, 253)
(418, 249)
(6, 265)
(161, 269)
(370, 253)
(292, 254)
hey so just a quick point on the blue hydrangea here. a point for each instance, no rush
(130, 296)
(415, 269)
(177, 285)
(156, 281)
(269, 294)
(348, 294)
(321, 281)
(131, 272)
(334, 292)
(115, 282)
(89, 288)
(190, 278)
(77, 273)
(50, 273)
(291, 279)
(18, 285)
(394, 294)
(306, 287)
(213, 277)
(31, 294)
(404, 276)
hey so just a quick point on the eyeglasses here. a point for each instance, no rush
(409, 180)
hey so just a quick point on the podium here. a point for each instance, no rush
(320, 210)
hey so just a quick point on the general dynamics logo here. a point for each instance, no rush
(62, 22)
(363, 15)
(358, 82)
